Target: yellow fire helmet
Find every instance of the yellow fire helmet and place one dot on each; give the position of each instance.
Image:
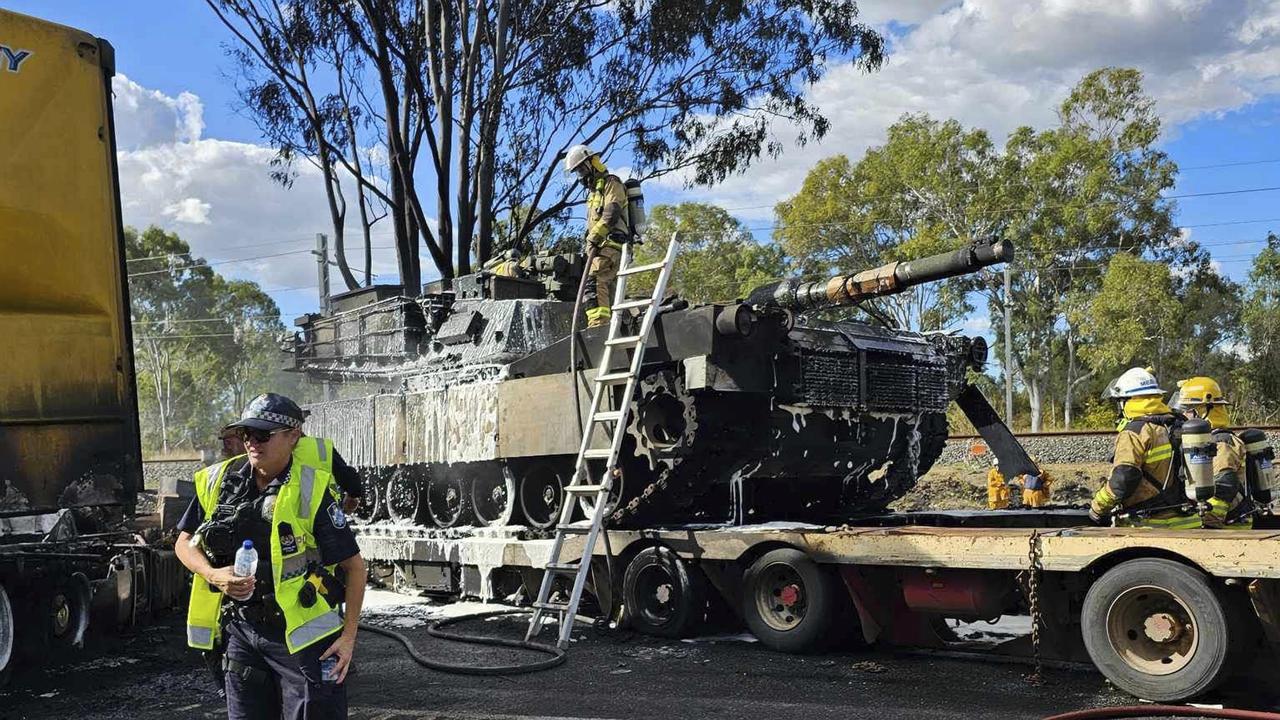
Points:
(1200, 390)
(1205, 397)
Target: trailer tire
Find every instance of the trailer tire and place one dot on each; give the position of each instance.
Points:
(7, 634)
(1157, 629)
(664, 595)
(792, 603)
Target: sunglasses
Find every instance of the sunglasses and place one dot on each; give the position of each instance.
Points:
(259, 437)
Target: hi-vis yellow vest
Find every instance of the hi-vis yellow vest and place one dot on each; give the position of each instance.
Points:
(318, 453)
(297, 503)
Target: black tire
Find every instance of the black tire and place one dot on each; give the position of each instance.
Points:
(1157, 629)
(793, 604)
(664, 595)
(66, 608)
(8, 633)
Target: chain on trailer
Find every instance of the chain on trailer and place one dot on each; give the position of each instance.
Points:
(1035, 568)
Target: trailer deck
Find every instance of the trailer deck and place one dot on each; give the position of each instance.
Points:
(1225, 554)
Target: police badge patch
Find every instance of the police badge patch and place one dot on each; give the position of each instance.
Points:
(336, 515)
(288, 543)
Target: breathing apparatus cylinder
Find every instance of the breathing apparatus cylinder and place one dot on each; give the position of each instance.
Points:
(635, 207)
(1260, 458)
(1198, 449)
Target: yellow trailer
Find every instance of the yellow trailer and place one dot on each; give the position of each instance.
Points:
(70, 459)
(68, 415)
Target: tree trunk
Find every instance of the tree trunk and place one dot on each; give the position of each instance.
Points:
(1035, 398)
(1069, 392)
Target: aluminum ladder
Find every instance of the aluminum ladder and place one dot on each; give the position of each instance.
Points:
(580, 485)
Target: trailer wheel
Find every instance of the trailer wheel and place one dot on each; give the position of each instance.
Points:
(664, 596)
(791, 603)
(67, 610)
(7, 632)
(1157, 630)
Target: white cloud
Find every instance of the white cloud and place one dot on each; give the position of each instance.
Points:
(189, 210)
(999, 64)
(905, 12)
(219, 197)
(149, 117)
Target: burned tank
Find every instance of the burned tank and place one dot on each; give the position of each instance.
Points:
(745, 412)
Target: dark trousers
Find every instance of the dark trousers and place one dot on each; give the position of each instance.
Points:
(287, 685)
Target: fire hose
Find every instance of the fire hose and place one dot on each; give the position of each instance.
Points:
(1130, 711)
(555, 656)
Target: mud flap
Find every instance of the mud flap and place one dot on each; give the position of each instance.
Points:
(1014, 460)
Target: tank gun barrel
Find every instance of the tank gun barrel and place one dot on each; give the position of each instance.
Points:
(894, 277)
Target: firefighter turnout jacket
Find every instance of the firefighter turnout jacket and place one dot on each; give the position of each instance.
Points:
(607, 221)
(1142, 473)
(1228, 483)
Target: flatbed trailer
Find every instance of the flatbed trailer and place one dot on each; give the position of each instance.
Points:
(1165, 615)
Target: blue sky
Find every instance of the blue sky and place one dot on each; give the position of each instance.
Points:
(195, 166)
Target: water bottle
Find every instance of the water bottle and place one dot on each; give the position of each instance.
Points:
(246, 564)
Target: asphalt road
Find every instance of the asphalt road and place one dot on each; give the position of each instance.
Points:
(151, 674)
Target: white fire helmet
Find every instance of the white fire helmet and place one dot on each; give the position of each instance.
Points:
(1135, 382)
(577, 155)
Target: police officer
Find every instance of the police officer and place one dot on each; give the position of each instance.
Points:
(607, 228)
(1143, 481)
(288, 645)
(232, 445)
(1202, 398)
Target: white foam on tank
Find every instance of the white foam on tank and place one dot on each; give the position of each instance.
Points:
(798, 413)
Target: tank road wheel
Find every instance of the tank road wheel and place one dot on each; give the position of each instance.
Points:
(1157, 629)
(493, 495)
(663, 595)
(448, 501)
(617, 491)
(791, 603)
(403, 498)
(371, 507)
(541, 491)
(7, 633)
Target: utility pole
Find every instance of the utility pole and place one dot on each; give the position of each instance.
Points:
(1008, 348)
(322, 267)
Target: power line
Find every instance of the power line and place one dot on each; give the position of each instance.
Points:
(1229, 164)
(219, 262)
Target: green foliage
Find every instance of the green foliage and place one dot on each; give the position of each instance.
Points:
(719, 259)
(1259, 389)
(932, 187)
(1133, 318)
(1075, 195)
(203, 344)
